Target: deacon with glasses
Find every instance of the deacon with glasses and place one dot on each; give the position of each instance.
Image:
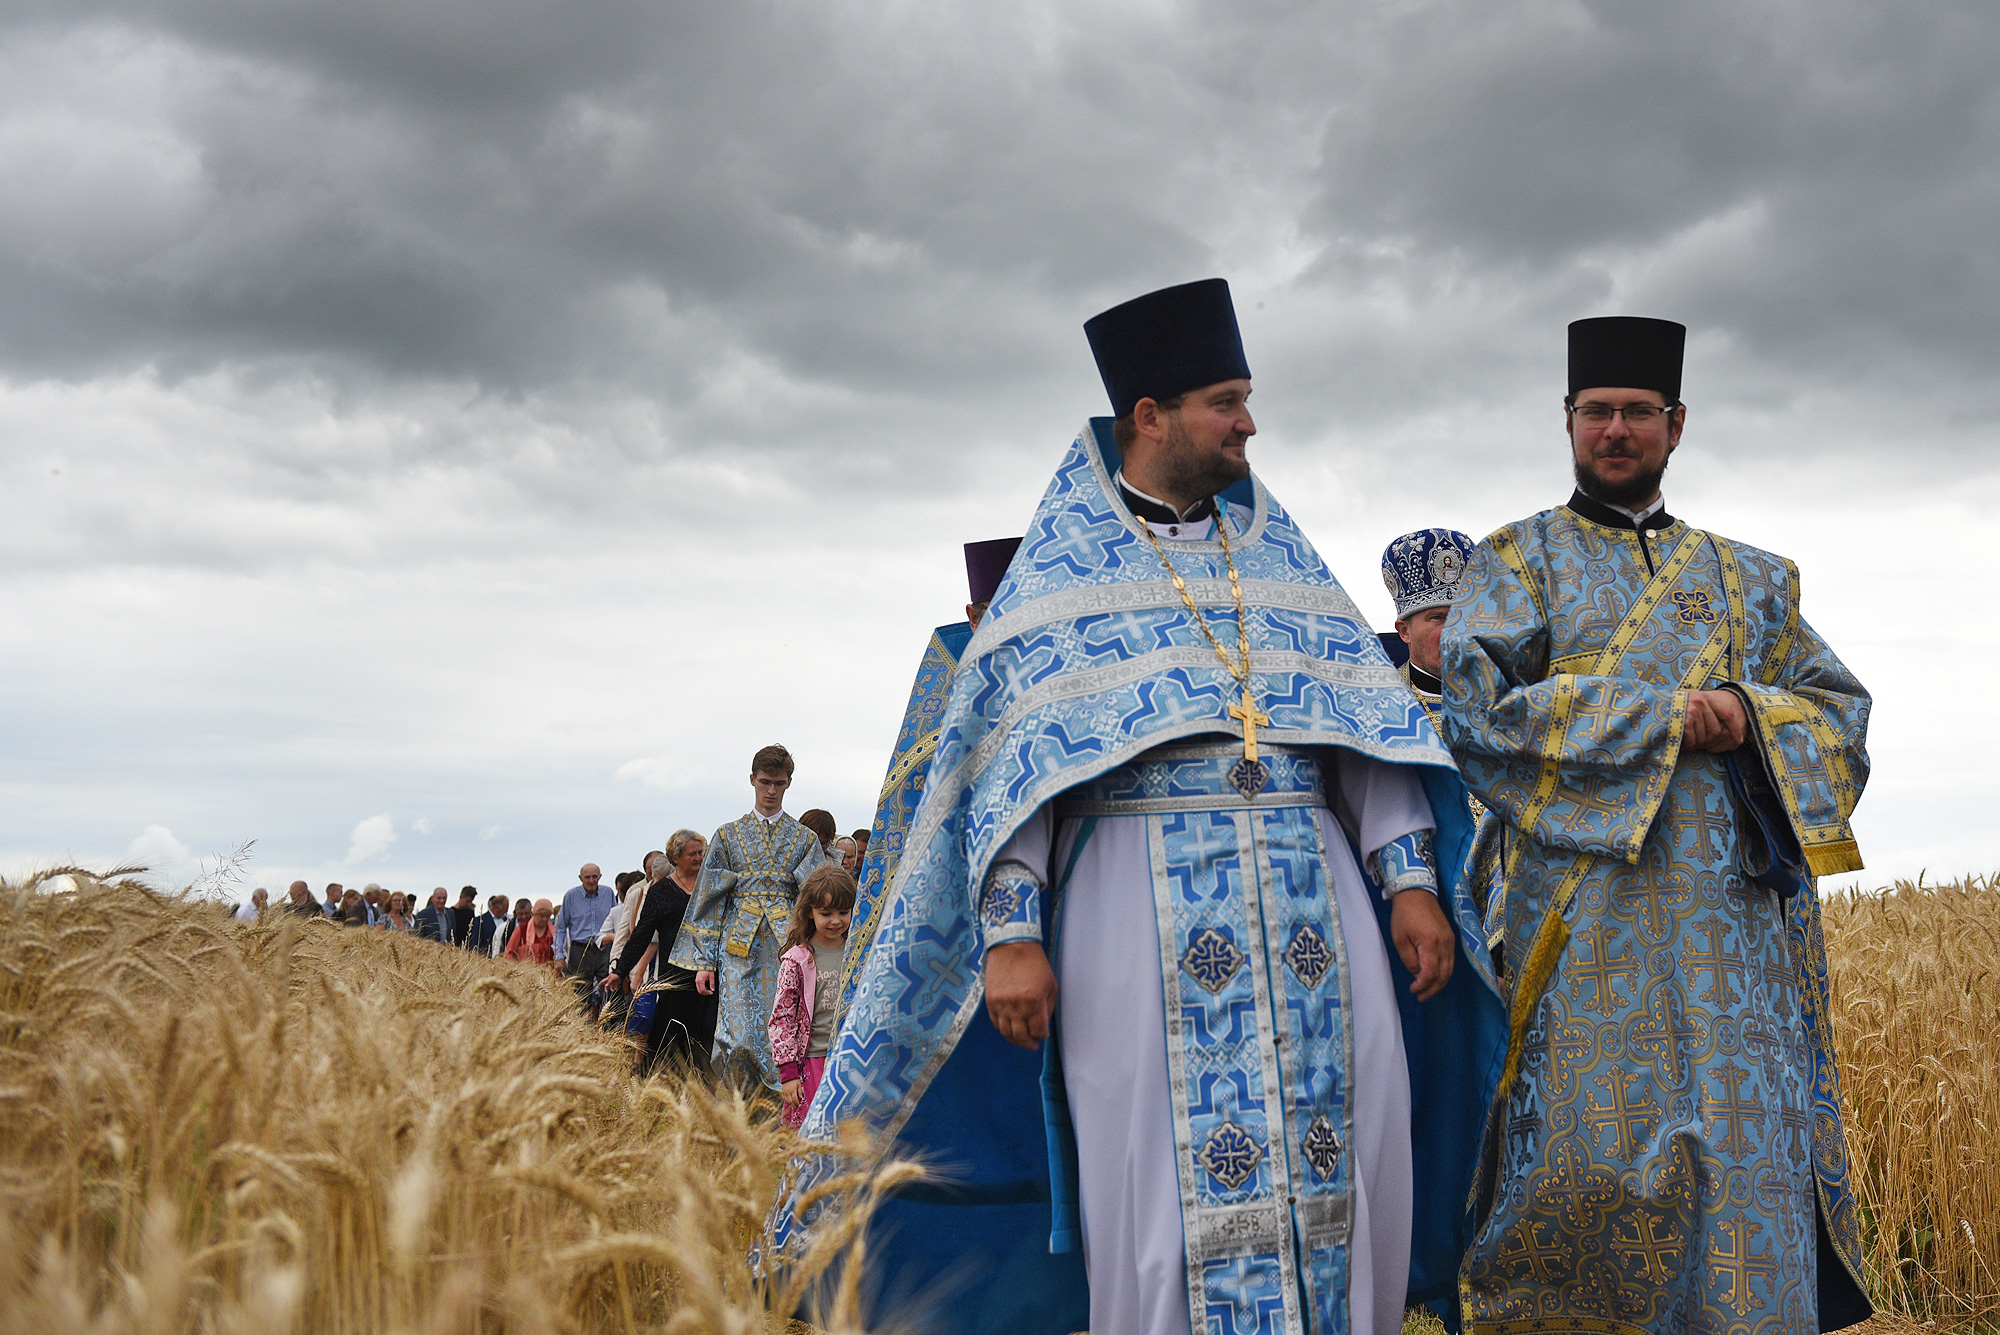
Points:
(1674, 754)
(1183, 825)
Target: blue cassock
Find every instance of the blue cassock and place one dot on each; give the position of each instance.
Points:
(1087, 660)
(971, 1249)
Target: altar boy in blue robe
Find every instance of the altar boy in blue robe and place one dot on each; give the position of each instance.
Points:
(1176, 762)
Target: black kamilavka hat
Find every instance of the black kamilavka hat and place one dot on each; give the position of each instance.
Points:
(1627, 352)
(1166, 343)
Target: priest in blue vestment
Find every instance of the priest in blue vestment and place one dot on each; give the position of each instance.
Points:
(1183, 822)
(966, 1252)
(1673, 753)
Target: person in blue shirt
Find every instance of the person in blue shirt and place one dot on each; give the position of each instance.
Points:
(579, 956)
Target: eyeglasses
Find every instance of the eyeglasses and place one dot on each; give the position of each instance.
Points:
(1635, 414)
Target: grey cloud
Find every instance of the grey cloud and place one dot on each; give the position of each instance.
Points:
(1842, 152)
(778, 190)
(786, 229)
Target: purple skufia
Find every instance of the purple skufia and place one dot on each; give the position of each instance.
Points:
(985, 565)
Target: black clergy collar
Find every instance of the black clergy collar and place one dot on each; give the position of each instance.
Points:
(1156, 511)
(1424, 681)
(1597, 512)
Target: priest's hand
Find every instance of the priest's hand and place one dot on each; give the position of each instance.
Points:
(704, 982)
(1715, 722)
(1020, 992)
(1424, 939)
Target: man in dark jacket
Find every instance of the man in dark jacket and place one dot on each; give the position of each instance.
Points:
(488, 935)
(434, 919)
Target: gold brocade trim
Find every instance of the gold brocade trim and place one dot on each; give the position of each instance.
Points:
(1737, 606)
(924, 748)
(1833, 857)
(1555, 1325)
(1781, 652)
(1506, 546)
(1561, 706)
(1532, 978)
(1648, 602)
(1831, 752)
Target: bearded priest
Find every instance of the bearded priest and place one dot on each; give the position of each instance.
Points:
(1673, 753)
(1182, 831)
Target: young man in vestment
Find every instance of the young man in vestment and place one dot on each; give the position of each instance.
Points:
(734, 930)
(1176, 762)
(1674, 754)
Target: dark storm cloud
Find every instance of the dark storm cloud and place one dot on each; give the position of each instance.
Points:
(1842, 156)
(915, 207)
(518, 197)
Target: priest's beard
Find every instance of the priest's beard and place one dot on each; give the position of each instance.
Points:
(1631, 494)
(1186, 471)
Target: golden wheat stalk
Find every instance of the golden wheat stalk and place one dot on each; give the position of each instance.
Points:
(288, 1126)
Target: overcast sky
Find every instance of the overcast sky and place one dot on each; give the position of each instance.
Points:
(443, 439)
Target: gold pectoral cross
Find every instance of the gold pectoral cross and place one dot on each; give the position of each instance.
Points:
(1251, 716)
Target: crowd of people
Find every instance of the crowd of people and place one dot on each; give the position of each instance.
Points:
(613, 944)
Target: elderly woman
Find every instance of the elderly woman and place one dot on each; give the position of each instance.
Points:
(676, 1020)
(534, 938)
(849, 854)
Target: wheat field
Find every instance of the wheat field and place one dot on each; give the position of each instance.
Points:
(1916, 1014)
(207, 1126)
(213, 1126)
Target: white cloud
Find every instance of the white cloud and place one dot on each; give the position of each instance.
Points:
(422, 825)
(664, 772)
(158, 850)
(371, 839)
(490, 832)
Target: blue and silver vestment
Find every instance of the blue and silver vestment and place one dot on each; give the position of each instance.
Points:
(735, 925)
(1088, 661)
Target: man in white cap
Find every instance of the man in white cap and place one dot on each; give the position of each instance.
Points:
(1421, 571)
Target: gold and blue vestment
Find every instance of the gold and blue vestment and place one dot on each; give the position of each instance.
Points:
(735, 925)
(1667, 1138)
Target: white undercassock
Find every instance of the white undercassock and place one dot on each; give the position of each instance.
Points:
(1110, 1014)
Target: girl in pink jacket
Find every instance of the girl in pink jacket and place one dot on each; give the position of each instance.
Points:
(802, 1014)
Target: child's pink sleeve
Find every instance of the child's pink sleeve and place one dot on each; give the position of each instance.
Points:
(785, 1029)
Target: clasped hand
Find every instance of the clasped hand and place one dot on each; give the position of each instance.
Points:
(1715, 722)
